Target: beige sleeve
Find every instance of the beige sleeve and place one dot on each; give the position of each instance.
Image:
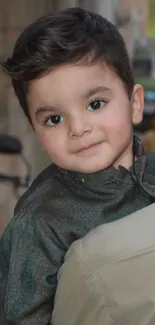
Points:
(74, 301)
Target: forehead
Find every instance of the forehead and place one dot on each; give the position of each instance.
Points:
(70, 81)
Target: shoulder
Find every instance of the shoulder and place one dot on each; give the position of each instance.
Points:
(47, 209)
(33, 220)
(31, 201)
(150, 162)
(150, 155)
(42, 183)
(44, 210)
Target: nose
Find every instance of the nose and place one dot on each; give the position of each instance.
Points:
(78, 127)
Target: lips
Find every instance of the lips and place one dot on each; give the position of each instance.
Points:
(89, 147)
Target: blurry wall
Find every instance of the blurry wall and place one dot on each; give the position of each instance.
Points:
(14, 16)
(136, 29)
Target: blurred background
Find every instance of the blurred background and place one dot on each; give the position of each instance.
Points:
(136, 22)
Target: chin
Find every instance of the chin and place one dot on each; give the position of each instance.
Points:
(88, 165)
(91, 169)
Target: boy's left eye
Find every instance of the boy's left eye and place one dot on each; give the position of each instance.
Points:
(96, 105)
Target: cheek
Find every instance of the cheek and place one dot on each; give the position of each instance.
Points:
(117, 122)
(52, 142)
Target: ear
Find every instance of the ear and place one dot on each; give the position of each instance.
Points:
(137, 102)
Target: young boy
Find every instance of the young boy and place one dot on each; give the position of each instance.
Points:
(70, 71)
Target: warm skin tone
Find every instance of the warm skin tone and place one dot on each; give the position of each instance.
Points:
(83, 117)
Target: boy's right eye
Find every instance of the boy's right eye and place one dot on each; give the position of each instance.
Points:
(53, 120)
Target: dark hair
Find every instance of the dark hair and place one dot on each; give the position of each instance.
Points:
(73, 35)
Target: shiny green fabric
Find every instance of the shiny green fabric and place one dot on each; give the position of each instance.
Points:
(60, 207)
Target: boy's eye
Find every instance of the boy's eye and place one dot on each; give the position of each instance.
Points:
(54, 120)
(96, 104)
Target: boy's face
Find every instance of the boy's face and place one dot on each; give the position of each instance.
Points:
(83, 117)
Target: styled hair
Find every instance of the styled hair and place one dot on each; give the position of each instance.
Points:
(70, 36)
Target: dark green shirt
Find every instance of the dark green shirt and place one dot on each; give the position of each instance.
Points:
(58, 208)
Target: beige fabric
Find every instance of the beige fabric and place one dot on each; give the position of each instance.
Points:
(108, 277)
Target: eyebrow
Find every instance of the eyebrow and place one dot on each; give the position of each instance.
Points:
(43, 110)
(89, 93)
(96, 90)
